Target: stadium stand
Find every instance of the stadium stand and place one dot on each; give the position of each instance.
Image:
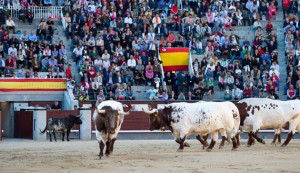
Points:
(238, 47)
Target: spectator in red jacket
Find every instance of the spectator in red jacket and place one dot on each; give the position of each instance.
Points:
(269, 27)
(291, 93)
(69, 71)
(247, 93)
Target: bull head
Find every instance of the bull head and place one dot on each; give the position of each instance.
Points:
(155, 122)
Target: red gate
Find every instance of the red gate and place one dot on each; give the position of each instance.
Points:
(23, 124)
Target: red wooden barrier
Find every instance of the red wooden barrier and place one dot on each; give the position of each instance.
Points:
(136, 121)
(23, 124)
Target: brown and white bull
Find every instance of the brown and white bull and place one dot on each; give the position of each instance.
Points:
(184, 119)
(264, 113)
(108, 118)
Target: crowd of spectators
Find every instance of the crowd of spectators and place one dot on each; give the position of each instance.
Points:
(292, 49)
(115, 45)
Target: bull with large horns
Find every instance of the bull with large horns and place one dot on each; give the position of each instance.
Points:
(108, 118)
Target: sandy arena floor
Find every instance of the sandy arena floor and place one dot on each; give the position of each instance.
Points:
(153, 156)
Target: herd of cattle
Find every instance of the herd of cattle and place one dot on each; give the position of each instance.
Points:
(200, 118)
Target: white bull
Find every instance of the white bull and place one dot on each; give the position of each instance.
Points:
(184, 119)
(264, 113)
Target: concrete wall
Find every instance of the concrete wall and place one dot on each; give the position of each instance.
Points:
(68, 101)
(7, 119)
(39, 122)
(32, 96)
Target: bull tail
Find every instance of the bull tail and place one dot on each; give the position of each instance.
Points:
(42, 132)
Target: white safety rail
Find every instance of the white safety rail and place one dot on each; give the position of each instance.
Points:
(54, 12)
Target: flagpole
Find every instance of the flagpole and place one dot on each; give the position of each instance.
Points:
(162, 73)
(191, 69)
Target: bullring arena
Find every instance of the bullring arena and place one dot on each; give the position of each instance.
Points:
(144, 151)
(145, 156)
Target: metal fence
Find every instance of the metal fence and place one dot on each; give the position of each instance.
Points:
(41, 12)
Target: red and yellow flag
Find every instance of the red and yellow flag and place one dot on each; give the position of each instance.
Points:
(13, 85)
(175, 59)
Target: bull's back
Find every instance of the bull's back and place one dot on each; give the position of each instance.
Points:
(209, 116)
(266, 113)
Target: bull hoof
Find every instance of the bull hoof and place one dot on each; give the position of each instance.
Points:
(248, 145)
(179, 150)
(99, 158)
(263, 142)
(283, 145)
(208, 149)
(186, 144)
(278, 143)
(221, 147)
(273, 143)
(234, 149)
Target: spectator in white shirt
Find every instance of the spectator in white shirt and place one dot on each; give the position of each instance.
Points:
(10, 24)
(98, 63)
(128, 19)
(12, 49)
(131, 62)
(77, 53)
(105, 55)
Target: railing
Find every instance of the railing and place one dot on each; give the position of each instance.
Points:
(54, 12)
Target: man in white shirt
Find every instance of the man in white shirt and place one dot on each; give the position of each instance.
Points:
(156, 20)
(10, 24)
(131, 62)
(256, 24)
(12, 49)
(24, 36)
(105, 55)
(98, 63)
(152, 49)
(77, 53)
(128, 19)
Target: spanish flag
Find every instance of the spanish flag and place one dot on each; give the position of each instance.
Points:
(175, 59)
(13, 85)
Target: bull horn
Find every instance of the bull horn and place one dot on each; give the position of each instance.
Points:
(125, 106)
(79, 116)
(100, 111)
(150, 112)
(123, 113)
